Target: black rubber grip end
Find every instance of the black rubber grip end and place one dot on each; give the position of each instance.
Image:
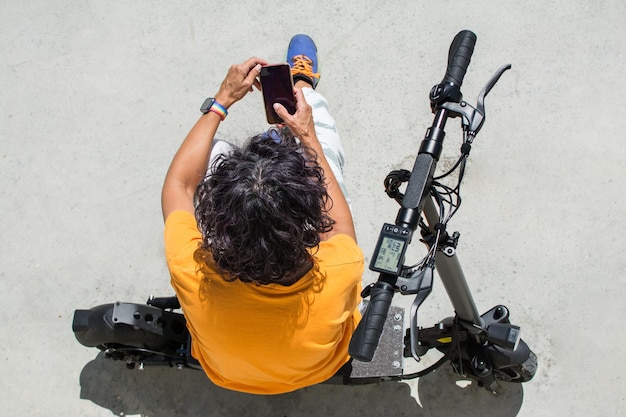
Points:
(367, 334)
(459, 56)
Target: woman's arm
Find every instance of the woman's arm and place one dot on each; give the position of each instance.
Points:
(302, 126)
(189, 165)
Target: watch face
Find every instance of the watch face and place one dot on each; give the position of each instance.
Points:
(207, 105)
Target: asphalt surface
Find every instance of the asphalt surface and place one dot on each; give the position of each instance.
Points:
(97, 96)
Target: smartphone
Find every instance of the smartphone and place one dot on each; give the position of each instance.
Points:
(277, 86)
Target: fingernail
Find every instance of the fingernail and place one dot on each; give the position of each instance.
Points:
(275, 106)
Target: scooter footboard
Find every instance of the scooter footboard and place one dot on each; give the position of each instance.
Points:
(387, 362)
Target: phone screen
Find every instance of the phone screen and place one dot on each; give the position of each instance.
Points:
(277, 86)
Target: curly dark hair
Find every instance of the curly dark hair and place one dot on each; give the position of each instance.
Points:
(261, 208)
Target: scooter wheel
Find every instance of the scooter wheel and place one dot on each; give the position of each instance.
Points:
(519, 373)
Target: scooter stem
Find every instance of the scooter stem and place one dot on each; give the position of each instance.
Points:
(451, 275)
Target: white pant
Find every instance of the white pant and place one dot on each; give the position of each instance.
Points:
(327, 134)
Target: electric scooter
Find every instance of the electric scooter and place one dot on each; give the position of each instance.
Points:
(486, 347)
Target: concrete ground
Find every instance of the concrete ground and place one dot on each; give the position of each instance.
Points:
(97, 96)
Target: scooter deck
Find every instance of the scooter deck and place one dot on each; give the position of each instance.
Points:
(388, 358)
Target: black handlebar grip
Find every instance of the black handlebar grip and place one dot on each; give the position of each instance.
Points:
(459, 56)
(367, 334)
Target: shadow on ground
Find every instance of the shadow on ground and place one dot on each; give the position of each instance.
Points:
(442, 397)
(166, 392)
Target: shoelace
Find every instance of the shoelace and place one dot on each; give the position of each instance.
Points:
(303, 65)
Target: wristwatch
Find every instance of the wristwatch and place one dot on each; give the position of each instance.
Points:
(211, 105)
(206, 106)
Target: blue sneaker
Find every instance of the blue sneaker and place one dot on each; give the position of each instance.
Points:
(302, 57)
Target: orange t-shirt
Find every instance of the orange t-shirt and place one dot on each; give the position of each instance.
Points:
(267, 339)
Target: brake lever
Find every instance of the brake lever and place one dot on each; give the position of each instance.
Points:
(487, 88)
(477, 122)
(473, 118)
(425, 287)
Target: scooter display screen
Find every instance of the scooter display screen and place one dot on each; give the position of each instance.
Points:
(390, 249)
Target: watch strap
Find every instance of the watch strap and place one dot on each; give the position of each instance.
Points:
(210, 105)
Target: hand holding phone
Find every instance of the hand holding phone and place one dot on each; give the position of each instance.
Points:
(239, 81)
(277, 86)
(301, 123)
